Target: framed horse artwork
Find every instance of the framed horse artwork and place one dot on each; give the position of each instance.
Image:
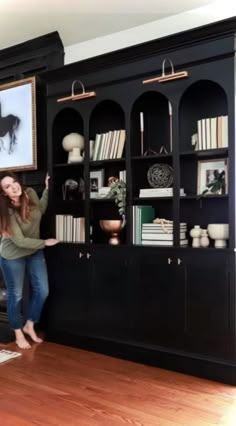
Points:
(18, 145)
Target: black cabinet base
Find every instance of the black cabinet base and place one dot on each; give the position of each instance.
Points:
(6, 334)
(211, 369)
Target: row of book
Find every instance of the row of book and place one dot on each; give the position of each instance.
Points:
(70, 229)
(109, 145)
(212, 133)
(158, 192)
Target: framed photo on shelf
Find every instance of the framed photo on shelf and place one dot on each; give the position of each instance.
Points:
(18, 149)
(212, 176)
(96, 182)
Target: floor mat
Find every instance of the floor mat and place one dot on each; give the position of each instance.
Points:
(6, 355)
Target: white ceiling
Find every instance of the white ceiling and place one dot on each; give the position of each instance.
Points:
(81, 20)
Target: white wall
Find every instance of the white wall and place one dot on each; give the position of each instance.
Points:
(217, 11)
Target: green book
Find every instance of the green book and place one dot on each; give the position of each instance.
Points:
(142, 214)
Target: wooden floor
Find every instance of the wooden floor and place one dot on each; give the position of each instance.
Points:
(57, 385)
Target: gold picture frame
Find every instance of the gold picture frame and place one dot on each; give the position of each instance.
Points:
(18, 137)
(206, 174)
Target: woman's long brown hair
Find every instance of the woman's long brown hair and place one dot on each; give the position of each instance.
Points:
(5, 205)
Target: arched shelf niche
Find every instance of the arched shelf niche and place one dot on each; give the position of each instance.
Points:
(156, 120)
(106, 116)
(203, 99)
(66, 121)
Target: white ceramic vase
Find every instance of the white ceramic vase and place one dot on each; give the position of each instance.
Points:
(195, 233)
(204, 240)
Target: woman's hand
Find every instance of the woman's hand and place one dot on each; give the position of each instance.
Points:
(47, 181)
(51, 242)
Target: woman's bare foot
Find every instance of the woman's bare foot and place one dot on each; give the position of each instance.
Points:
(29, 329)
(21, 341)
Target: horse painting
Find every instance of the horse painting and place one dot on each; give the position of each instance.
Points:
(8, 125)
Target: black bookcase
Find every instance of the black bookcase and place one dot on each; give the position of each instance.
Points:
(173, 307)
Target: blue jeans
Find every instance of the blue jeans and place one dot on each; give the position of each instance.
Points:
(13, 271)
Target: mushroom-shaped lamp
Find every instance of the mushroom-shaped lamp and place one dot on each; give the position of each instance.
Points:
(74, 144)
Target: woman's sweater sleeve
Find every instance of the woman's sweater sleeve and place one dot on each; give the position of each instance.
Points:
(43, 202)
(18, 238)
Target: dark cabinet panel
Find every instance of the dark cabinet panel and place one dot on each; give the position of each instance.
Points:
(111, 293)
(69, 279)
(209, 320)
(90, 294)
(159, 299)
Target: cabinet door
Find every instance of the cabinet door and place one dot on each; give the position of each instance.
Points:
(159, 299)
(110, 293)
(69, 289)
(209, 316)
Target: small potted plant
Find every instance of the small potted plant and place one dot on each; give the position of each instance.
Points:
(118, 193)
(113, 226)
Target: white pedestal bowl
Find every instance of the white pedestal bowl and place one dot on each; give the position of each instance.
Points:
(219, 232)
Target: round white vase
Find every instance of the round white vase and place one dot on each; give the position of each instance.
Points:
(195, 233)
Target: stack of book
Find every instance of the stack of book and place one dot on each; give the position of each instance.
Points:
(162, 235)
(141, 215)
(158, 192)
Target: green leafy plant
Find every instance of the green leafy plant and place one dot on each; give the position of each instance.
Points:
(118, 193)
(217, 185)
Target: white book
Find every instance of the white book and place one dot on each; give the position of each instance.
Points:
(161, 236)
(225, 138)
(208, 133)
(108, 145)
(199, 135)
(104, 145)
(121, 143)
(164, 225)
(213, 132)
(116, 144)
(113, 144)
(204, 134)
(155, 195)
(96, 146)
(162, 243)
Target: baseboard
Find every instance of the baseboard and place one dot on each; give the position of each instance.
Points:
(192, 364)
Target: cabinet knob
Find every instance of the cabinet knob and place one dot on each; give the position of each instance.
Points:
(88, 255)
(80, 254)
(179, 261)
(170, 260)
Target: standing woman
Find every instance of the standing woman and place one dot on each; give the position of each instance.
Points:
(21, 251)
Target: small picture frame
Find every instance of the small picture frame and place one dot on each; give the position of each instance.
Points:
(208, 170)
(96, 182)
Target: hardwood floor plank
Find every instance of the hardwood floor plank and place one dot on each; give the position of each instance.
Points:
(54, 385)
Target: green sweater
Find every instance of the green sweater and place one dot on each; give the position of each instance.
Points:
(24, 239)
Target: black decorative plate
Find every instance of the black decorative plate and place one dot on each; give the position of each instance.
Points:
(160, 176)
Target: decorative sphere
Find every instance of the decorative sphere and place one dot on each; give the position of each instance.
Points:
(160, 176)
(73, 140)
